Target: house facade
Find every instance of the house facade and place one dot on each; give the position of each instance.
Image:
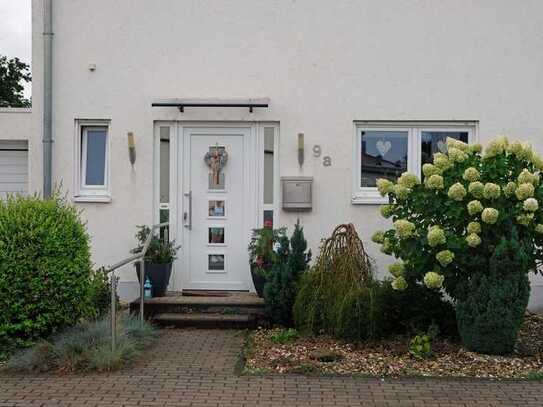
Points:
(218, 116)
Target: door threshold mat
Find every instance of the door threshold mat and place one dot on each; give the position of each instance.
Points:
(205, 293)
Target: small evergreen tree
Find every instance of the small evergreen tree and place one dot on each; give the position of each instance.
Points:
(289, 263)
(299, 256)
(492, 309)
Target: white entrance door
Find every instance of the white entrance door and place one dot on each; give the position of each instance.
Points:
(216, 208)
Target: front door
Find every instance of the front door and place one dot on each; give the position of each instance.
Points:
(216, 208)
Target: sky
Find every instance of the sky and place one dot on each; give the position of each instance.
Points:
(16, 32)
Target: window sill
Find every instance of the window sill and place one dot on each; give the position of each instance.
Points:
(92, 198)
(365, 199)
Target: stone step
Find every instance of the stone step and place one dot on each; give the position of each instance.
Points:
(206, 320)
(173, 303)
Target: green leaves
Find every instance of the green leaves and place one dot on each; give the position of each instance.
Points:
(45, 268)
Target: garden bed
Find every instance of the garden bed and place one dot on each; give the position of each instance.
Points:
(85, 347)
(390, 357)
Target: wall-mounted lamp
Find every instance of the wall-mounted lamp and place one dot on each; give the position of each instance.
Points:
(131, 148)
(301, 149)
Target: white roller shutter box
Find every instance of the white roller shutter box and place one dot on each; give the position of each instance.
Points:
(13, 167)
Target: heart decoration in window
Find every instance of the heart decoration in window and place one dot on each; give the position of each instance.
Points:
(383, 147)
(442, 146)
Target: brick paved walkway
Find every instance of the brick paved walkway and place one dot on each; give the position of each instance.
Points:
(196, 368)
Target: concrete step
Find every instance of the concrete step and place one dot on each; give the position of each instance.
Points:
(174, 303)
(206, 320)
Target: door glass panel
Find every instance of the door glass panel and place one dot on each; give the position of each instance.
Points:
(213, 185)
(268, 218)
(268, 164)
(96, 157)
(383, 155)
(216, 262)
(216, 175)
(164, 180)
(216, 235)
(164, 164)
(216, 209)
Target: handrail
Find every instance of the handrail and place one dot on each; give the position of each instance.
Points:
(113, 280)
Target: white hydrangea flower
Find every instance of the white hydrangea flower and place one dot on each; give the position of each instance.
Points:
(457, 192)
(433, 279)
(530, 205)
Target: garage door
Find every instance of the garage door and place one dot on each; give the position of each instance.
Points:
(13, 167)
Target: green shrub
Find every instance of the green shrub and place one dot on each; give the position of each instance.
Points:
(289, 263)
(476, 201)
(420, 347)
(358, 314)
(492, 310)
(285, 335)
(335, 295)
(100, 294)
(414, 310)
(299, 256)
(45, 268)
(86, 346)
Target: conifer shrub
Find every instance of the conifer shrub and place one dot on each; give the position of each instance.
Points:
(447, 230)
(491, 311)
(290, 261)
(336, 295)
(45, 269)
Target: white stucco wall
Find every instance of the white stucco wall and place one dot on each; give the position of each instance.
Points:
(323, 65)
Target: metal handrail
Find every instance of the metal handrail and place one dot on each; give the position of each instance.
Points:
(113, 280)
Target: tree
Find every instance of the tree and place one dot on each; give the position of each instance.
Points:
(13, 72)
(290, 261)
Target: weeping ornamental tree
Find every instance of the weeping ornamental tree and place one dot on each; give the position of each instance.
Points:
(336, 295)
(473, 228)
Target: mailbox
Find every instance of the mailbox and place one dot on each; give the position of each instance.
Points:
(297, 193)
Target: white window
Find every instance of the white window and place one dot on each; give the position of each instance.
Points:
(386, 150)
(270, 134)
(92, 161)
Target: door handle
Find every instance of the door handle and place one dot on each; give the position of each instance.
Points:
(187, 216)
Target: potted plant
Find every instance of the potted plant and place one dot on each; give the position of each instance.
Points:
(261, 253)
(158, 260)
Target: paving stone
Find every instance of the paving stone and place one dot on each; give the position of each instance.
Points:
(197, 368)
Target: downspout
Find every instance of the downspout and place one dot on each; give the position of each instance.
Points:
(47, 98)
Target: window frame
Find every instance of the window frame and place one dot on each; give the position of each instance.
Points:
(83, 191)
(414, 129)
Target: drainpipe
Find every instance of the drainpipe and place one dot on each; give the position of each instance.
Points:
(47, 97)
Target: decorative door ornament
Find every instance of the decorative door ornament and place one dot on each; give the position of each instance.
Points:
(216, 159)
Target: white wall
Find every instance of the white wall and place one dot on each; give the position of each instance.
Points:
(323, 64)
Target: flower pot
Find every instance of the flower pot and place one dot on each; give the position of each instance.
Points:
(159, 276)
(259, 281)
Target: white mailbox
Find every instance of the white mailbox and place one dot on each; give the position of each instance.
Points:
(297, 193)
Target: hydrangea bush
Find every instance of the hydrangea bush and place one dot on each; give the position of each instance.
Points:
(446, 228)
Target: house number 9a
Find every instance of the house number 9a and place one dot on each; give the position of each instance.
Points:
(326, 160)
